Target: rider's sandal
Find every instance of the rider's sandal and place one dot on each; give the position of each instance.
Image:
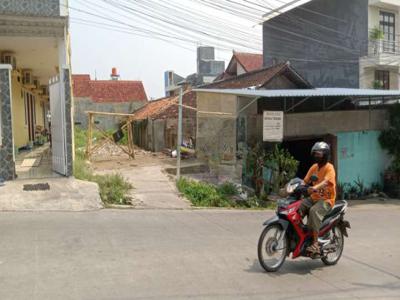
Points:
(313, 249)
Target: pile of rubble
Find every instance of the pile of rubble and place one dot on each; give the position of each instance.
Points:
(109, 149)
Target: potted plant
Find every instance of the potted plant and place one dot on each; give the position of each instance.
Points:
(377, 84)
(377, 36)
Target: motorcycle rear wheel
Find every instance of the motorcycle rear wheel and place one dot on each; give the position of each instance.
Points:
(272, 248)
(333, 258)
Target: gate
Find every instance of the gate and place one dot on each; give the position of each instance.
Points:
(58, 126)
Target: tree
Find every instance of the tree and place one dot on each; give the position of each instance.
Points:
(390, 138)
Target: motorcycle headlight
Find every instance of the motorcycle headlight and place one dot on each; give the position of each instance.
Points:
(288, 211)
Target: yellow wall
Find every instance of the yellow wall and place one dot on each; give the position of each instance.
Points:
(20, 130)
(39, 112)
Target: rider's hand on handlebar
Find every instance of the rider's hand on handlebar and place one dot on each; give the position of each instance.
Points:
(311, 190)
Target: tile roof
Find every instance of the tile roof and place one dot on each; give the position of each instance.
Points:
(249, 61)
(259, 78)
(108, 91)
(167, 108)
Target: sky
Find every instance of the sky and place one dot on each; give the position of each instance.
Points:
(96, 51)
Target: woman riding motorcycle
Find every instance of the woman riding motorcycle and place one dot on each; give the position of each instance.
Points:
(322, 179)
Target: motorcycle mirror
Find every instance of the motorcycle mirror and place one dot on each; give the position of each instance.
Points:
(314, 178)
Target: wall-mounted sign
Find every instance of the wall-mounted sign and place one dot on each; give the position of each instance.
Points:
(273, 126)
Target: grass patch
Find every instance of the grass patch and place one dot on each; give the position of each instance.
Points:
(203, 194)
(113, 188)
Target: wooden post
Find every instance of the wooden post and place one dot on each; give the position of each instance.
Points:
(131, 124)
(89, 137)
(130, 139)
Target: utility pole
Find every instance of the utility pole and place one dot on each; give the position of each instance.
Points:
(179, 143)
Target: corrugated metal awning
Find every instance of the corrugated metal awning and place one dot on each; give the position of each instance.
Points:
(320, 92)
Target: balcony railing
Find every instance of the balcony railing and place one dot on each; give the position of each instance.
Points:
(33, 8)
(380, 47)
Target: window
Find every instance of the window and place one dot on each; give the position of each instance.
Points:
(387, 25)
(383, 77)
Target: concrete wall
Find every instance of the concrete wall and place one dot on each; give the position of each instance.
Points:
(158, 134)
(69, 122)
(360, 156)
(36, 8)
(86, 104)
(216, 132)
(7, 163)
(294, 36)
(332, 122)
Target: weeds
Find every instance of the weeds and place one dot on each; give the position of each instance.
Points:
(113, 188)
(228, 189)
(203, 194)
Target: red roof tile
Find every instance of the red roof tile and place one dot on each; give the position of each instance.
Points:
(167, 108)
(151, 108)
(259, 78)
(108, 90)
(189, 99)
(249, 61)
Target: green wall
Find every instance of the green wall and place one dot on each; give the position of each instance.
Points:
(360, 156)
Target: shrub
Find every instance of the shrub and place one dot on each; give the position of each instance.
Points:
(390, 139)
(82, 170)
(227, 189)
(113, 189)
(283, 164)
(80, 136)
(202, 194)
(226, 195)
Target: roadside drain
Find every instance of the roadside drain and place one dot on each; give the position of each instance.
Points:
(36, 187)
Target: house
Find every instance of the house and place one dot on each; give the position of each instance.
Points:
(114, 95)
(35, 89)
(208, 68)
(241, 63)
(341, 43)
(155, 124)
(230, 121)
(171, 80)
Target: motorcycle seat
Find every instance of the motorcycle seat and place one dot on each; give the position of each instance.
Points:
(335, 210)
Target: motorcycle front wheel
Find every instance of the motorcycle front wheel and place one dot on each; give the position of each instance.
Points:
(337, 241)
(272, 248)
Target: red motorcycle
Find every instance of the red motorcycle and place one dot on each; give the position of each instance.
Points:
(286, 233)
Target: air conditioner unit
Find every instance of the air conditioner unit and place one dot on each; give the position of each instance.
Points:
(27, 77)
(9, 59)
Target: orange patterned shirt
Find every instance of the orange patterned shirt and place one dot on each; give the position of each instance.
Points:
(327, 173)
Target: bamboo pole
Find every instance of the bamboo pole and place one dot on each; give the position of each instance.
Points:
(109, 114)
(130, 139)
(89, 138)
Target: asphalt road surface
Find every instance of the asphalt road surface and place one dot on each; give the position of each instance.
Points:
(186, 254)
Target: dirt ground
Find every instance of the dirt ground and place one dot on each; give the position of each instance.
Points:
(142, 158)
(153, 188)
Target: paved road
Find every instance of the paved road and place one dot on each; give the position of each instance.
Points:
(189, 254)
